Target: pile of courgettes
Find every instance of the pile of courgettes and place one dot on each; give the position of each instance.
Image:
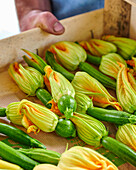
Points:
(113, 116)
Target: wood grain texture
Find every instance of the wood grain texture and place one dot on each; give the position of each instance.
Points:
(117, 17)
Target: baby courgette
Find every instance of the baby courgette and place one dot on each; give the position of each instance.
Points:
(20, 136)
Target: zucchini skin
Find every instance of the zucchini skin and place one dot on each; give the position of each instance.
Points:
(2, 112)
(93, 59)
(10, 154)
(20, 136)
(105, 80)
(113, 116)
(44, 96)
(119, 149)
(57, 67)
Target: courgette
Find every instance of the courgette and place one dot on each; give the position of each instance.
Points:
(67, 105)
(105, 80)
(20, 136)
(44, 96)
(10, 154)
(57, 67)
(2, 112)
(113, 116)
(119, 149)
(93, 59)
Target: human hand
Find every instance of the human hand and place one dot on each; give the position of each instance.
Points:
(45, 20)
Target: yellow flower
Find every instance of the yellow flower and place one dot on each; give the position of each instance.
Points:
(110, 64)
(8, 165)
(46, 166)
(39, 115)
(69, 54)
(89, 129)
(83, 102)
(28, 78)
(98, 47)
(86, 84)
(126, 90)
(13, 114)
(84, 158)
(59, 84)
(127, 135)
(126, 47)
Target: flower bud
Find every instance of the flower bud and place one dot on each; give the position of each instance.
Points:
(69, 54)
(82, 158)
(46, 166)
(83, 102)
(86, 84)
(89, 129)
(7, 165)
(127, 135)
(110, 64)
(98, 47)
(126, 90)
(126, 47)
(28, 78)
(34, 61)
(39, 115)
(13, 114)
(59, 84)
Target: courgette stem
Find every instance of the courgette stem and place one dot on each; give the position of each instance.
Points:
(113, 116)
(10, 154)
(93, 59)
(119, 149)
(105, 80)
(57, 67)
(44, 96)
(20, 136)
(2, 112)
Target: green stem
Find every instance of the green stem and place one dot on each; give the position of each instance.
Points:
(93, 59)
(2, 112)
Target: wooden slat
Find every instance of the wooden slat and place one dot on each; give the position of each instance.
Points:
(117, 17)
(133, 23)
(76, 29)
(132, 2)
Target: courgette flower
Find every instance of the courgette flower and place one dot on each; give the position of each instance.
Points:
(126, 90)
(34, 61)
(127, 135)
(98, 47)
(12, 113)
(110, 64)
(69, 54)
(86, 84)
(84, 158)
(126, 47)
(39, 115)
(83, 102)
(89, 129)
(27, 78)
(58, 83)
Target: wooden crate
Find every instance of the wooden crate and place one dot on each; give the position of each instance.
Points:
(117, 18)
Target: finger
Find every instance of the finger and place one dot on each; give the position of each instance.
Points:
(49, 23)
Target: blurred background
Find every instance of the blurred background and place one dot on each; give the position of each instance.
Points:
(8, 19)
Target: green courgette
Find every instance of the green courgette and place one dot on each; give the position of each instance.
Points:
(20, 136)
(67, 105)
(10, 154)
(113, 116)
(119, 149)
(93, 59)
(57, 67)
(65, 128)
(105, 80)
(42, 155)
(44, 96)
(2, 112)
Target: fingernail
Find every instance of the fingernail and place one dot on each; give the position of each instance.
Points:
(58, 27)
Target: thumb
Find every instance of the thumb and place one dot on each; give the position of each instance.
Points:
(49, 23)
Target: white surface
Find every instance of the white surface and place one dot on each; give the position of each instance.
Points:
(8, 19)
